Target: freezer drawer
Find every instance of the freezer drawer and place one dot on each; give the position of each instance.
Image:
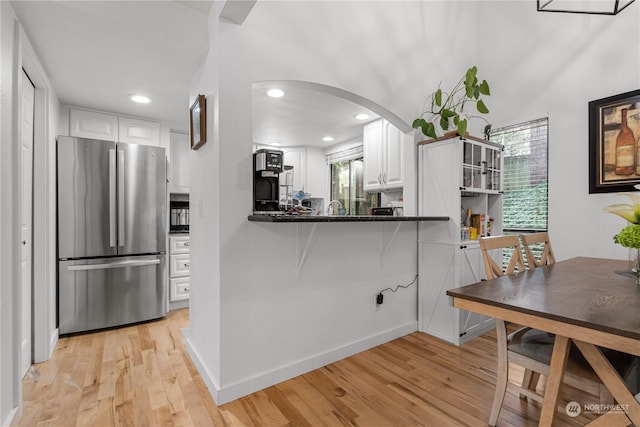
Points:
(105, 292)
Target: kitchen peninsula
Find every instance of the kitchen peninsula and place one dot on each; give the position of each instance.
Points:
(342, 218)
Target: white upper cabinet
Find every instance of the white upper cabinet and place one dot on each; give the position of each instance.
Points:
(179, 163)
(372, 153)
(138, 131)
(297, 157)
(112, 127)
(392, 156)
(309, 170)
(91, 124)
(383, 161)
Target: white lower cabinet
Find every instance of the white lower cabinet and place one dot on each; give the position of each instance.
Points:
(179, 288)
(444, 266)
(178, 268)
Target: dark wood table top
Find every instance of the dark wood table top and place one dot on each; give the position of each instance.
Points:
(595, 293)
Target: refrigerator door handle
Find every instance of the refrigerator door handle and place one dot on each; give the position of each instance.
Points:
(121, 264)
(112, 198)
(120, 197)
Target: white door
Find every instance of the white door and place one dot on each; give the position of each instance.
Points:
(26, 145)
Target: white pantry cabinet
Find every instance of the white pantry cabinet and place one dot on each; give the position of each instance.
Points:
(444, 266)
(383, 156)
(455, 175)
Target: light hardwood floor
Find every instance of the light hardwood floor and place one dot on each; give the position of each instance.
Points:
(142, 376)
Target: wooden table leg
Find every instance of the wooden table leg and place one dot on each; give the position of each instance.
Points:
(554, 380)
(611, 380)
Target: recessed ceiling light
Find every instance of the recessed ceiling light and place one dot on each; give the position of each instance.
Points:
(362, 116)
(275, 93)
(327, 139)
(140, 99)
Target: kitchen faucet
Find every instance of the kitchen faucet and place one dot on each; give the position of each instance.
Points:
(331, 203)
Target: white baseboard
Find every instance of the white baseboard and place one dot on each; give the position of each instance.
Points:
(247, 386)
(55, 335)
(12, 419)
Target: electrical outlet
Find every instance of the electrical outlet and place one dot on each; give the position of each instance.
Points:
(376, 306)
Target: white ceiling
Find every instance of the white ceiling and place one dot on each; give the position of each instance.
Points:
(97, 53)
(304, 116)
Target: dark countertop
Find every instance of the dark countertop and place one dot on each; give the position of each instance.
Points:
(342, 218)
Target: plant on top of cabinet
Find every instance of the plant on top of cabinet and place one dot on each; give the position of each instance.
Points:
(448, 107)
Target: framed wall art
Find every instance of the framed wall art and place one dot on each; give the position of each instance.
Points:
(614, 143)
(198, 122)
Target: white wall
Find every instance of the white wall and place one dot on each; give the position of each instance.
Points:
(17, 53)
(249, 321)
(552, 65)
(254, 317)
(205, 181)
(46, 109)
(9, 383)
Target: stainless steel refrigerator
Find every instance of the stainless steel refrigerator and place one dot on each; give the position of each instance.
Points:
(112, 228)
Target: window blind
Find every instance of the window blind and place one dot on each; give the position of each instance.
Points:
(525, 180)
(348, 154)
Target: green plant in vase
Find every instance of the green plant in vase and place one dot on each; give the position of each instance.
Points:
(447, 108)
(629, 236)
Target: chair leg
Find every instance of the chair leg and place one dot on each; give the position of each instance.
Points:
(529, 381)
(502, 372)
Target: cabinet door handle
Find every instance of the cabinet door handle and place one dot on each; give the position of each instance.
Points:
(186, 243)
(186, 264)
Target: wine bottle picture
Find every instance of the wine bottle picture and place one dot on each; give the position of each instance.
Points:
(625, 148)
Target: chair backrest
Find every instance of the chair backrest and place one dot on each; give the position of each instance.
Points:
(547, 256)
(501, 242)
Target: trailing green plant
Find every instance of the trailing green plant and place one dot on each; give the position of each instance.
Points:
(447, 107)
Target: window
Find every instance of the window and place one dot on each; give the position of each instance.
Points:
(347, 187)
(525, 176)
(525, 181)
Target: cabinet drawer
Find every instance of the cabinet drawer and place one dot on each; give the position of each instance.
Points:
(179, 265)
(179, 289)
(178, 245)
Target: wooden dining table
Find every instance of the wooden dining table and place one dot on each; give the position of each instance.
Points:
(592, 302)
